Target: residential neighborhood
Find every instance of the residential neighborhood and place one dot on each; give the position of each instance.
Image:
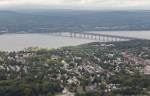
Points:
(106, 69)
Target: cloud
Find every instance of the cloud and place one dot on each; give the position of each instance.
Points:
(78, 4)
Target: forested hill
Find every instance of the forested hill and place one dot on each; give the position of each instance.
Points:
(66, 20)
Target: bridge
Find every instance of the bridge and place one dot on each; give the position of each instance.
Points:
(93, 36)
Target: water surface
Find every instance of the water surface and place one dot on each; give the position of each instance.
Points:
(15, 42)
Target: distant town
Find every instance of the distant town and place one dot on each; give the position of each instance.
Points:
(72, 21)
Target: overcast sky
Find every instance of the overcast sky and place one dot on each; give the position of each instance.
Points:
(77, 4)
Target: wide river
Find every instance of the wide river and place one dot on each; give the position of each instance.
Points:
(16, 42)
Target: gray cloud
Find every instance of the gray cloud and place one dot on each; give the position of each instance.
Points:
(78, 4)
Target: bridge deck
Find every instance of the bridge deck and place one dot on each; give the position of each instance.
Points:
(94, 36)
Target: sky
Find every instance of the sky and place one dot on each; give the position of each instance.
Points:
(77, 4)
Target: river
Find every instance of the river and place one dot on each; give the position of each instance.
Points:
(16, 42)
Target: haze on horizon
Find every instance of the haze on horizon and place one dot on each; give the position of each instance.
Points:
(76, 4)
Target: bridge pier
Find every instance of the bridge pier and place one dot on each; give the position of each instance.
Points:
(96, 37)
(116, 39)
(99, 37)
(103, 38)
(93, 36)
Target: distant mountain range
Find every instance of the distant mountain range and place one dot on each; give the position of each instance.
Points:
(71, 20)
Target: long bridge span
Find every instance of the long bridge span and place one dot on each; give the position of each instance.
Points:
(93, 36)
